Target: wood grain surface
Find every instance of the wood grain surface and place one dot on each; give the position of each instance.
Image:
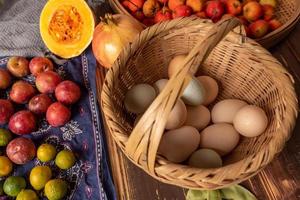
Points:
(280, 180)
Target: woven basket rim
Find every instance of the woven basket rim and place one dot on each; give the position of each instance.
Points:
(249, 43)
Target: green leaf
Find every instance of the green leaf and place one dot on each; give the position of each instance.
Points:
(203, 195)
(196, 195)
(214, 195)
(236, 192)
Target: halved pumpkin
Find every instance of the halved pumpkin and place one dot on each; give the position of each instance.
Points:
(67, 27)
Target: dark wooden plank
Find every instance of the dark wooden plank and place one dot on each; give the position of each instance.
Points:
(280, 180)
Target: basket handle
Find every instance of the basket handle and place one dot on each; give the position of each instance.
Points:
(144, 140)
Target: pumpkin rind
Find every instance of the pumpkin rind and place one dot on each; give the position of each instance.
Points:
(75, 36)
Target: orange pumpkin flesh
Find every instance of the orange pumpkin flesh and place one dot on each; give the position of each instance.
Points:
(67, 27)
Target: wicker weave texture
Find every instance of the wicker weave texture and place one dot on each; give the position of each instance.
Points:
(243, 69)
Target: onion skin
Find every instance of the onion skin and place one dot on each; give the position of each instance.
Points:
(111, 35)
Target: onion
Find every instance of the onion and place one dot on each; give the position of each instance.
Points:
(111, 35)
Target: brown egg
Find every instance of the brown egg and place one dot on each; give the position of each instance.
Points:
(222, 138)
(211, 88)
(159, 85)
(177, 116)
(197, 116)
(225, 111)
(205, 158)
(175, 64)
(250, 121)
(177, 145)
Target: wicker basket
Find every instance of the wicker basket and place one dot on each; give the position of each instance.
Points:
(244, 70)
(288, 12)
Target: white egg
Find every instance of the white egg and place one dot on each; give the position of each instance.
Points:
(222, 138)
(175, 64)
(194, 94)
(211, 88)
(250, 121)
(139, 98)
(178, 144)
(197, 116)
(159, 85)
(205, 158)
(177, 116)
(225, 111)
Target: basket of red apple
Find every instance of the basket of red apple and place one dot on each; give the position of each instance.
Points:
(199, 106)
(267, 21)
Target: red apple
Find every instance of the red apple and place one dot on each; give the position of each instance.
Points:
(148, 21)
(259, 28)
(269, 12)
(21, 92)
(38, 65)
(5, 79)
(172, 4)
(46, 82)
(58, 114)
(39, 104)
(163, 15)
(233, 7)
(133, 5)
(21, 150)
(243, 20)
(196, 5)
(150, 8)
(248, 31)
(6, 111)
(138, 15)
(18, 66)
(22, 122)
(67, 92)
(201, 14)
(182, 11)
(274, 24)
(129, 5)
(214, 10)
(244, 2)
(138, 3)
(252, 11)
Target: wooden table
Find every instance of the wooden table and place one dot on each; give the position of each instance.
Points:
(280, 180)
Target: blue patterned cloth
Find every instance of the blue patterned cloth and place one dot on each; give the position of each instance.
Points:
(90, 177)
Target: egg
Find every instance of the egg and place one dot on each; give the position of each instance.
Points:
(194, 94)
(175, 64)
(178, 144)
(197, 116)
(225, 111)
(211, 88)
(177, 116)
(205, 158)
(250, 121)
(222, 138)
(159, 85)
(139, 98)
